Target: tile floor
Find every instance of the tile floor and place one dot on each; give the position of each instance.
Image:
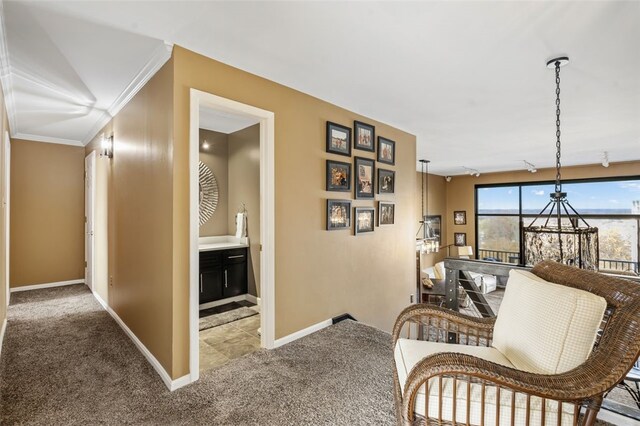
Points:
(221, 344)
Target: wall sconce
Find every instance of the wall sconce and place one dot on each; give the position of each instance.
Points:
(107, 146)
(605, 159)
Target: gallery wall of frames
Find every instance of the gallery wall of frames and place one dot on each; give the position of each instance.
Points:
(361, 177)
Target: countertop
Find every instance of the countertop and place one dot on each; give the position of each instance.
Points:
(223, 242)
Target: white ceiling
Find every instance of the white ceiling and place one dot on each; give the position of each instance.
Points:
(224, 122)
(467, 78)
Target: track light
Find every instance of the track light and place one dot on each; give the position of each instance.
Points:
(447, 178)
(605, 159)
(530, 167)
(472, 172)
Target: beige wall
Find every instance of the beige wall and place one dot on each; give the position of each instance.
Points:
(4, 243)
(461, 189)
(437, 198)
(319, 274)
(216, 157)
(244, 188)
(47, 213)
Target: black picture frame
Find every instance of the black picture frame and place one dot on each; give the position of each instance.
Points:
(338, 214)
(460, 217)
(336, 142)
(338, 176)
(386, 151)
(364, 219)
(460, 239)
(386, 181)
(386, 213)
(364, 177)
(432, 227)
(364, 136)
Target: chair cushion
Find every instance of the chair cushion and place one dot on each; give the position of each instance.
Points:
(544, 327)
(408, 353)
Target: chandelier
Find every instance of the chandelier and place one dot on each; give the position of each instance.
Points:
(430, 241)
(572, 241)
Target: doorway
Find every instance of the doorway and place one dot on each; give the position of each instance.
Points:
(89, 218)
(265, 119)
(7, 207)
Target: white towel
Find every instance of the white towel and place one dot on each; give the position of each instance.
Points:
(241, 225)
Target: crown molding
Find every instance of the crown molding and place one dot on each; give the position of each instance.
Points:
(5, 74)
(158, 58)
(46, 139)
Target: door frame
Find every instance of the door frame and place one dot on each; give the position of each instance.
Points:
(7, 208)
(91, 195)
(267, 217)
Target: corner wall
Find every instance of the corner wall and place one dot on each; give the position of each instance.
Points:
(47, 213)
(319, 274)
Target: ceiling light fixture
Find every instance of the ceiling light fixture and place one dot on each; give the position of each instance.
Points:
(567, 242)
(605, 159)
(472, 172)
(430, 242)
(530, 167)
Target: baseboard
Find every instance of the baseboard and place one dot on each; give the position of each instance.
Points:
(166, 378)
(222, 302)
(46, 285)
(2, 330)
(299, 334)
(253, 299)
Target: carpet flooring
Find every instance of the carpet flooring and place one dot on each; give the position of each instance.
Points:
(65, 361)
(215, 320)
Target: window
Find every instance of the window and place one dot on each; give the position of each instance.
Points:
(613, 206)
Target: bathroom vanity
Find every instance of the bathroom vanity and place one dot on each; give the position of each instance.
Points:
(223, 268)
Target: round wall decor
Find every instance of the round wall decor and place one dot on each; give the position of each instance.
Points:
(208, 193)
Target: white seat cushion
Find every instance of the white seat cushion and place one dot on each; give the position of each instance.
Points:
(546, 328)
(409, 352)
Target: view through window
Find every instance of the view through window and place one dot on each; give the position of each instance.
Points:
(613, 206)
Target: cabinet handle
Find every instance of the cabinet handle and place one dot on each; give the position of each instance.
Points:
(225, 278)
(235, 257)
(200, 283)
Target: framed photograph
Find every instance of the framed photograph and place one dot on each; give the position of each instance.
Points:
(386, 181)
(460, 218)
(364, 179)
(432, 226)
(364, 219)
(460, 239)
(338, 214)
(386, 213)
(338, 176)
(338, 139)
(386, 151)
(364, 136)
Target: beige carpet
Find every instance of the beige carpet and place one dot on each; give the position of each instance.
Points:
(66, 362)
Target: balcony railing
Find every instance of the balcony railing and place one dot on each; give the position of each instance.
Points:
(605, 264)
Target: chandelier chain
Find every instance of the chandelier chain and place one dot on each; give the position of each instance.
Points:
(558, 177)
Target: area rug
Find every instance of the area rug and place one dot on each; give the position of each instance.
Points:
(65, 361)
(216, 320)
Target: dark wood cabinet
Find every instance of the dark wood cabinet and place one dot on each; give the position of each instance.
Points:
(223, 274)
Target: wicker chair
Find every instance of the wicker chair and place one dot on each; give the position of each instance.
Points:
(460, 384)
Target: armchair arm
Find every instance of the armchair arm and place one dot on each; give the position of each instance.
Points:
(460, 322)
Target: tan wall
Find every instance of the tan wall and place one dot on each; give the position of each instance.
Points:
(216, 157)
(437, 198)
(139, 191)
(4, 243)
(244, 188)
(319, 274)
(461, 189)
(47, 213)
